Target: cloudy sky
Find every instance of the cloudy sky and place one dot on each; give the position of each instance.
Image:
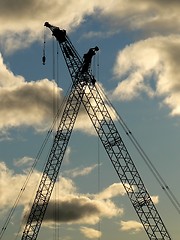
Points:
(138, 68)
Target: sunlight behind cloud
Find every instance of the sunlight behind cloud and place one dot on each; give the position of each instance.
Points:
(34, 14)
(150, 66)
(150, 16)
(31, 104)
(140, 38)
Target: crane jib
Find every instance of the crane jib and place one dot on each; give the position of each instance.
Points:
(85, 91)
(60, 35)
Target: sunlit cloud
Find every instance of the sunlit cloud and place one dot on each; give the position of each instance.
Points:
(90, 232)
(84, 123)
(25, 161)
(31, 104)
(26, 103)
(67, 155)
(155, 199)
(80, 171)
(150, 16)
(72, 206)
(112, 191)
(155, 56)
(150, 66)
(132, 226)
(21, 35)
(75, 209)
(8, 194)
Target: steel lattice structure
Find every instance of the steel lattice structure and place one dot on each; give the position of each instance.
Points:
(84, 91)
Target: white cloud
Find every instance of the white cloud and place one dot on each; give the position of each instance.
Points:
(157, 56)
(80, 171)
(26, 103)
(28, 161)
(31, 104)
(132, 226)
(9, 194)
(22, 23)
(150, 66)
(67, 155)
(73, 207)
(84, 123)
(66, 187)
(112, 191)
(90, 232)
(150, 16)
(155, 199)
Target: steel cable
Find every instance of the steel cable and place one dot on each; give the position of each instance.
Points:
(144, 156)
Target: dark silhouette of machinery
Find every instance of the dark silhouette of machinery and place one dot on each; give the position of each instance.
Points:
(83, 91)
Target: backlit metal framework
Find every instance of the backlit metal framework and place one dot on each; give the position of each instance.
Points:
(84, 91)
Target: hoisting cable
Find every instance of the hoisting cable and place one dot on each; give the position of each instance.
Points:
(96, 72)
(99, 186)
(50, 131)
(24, 186)
(144, 156)
(55, 106)
(44, 48)
(11, 212)
(54, 69)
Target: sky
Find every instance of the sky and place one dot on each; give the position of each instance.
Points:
(137, 67)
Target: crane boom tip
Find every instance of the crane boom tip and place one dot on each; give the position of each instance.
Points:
(46, 24)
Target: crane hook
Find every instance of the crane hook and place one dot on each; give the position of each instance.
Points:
(44, 52)
(43, 59)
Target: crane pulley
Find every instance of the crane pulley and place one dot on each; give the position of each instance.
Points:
(85, 91)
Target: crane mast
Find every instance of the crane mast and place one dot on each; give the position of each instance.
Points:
(85, 91)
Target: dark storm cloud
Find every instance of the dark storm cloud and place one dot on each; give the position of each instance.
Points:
(27, 97)
(72, 210)
(78, 210)
(28, 104)
(72, 207)
(31, 103)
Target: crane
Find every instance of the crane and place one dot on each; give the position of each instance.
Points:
(84, 91)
